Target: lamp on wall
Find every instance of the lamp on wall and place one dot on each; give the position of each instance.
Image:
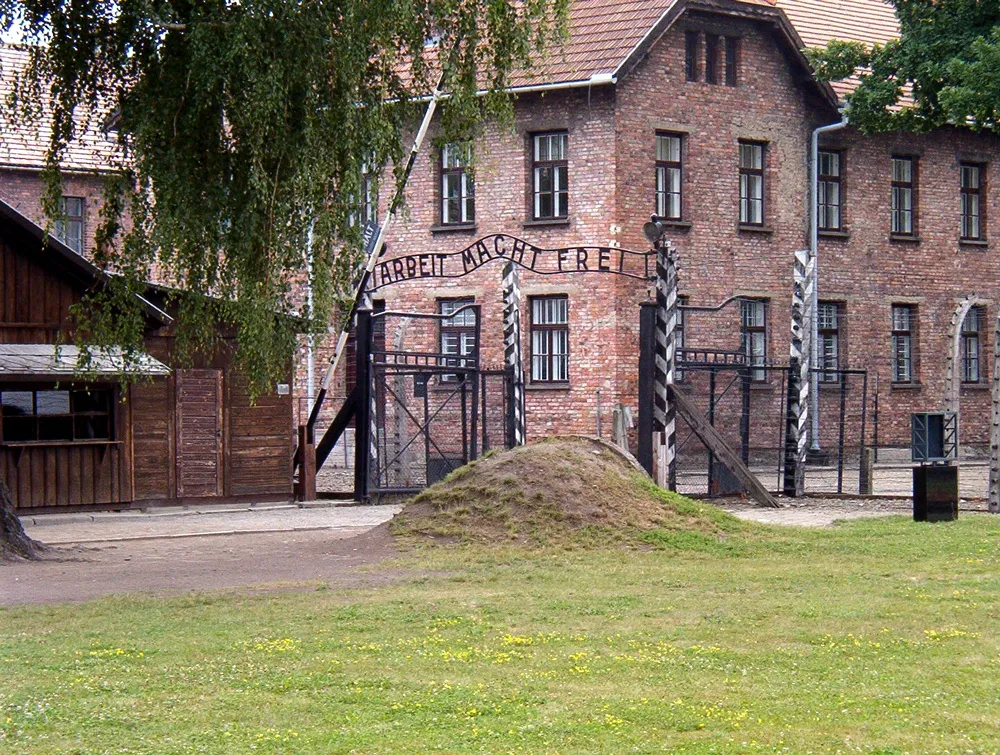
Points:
(653, 231)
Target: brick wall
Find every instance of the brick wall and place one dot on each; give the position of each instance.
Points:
(23, 191)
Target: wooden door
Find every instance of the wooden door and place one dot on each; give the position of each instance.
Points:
(199, 433)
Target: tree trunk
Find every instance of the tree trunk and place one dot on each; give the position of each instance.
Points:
(14, 543)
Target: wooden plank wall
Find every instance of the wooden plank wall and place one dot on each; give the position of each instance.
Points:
(34, 303)
(57, 476)
(153, 411)
(259, 442)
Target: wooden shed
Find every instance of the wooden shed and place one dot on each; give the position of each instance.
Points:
(180, 435)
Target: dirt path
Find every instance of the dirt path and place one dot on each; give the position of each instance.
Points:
(176, 565)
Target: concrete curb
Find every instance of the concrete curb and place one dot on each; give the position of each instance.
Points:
(213, 533)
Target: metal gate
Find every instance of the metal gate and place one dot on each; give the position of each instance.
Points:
(431, 411)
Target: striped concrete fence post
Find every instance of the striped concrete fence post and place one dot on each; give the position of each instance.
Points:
(665, 361)
(797, 428)
(375, 474)
(512, 350)
(994, 502)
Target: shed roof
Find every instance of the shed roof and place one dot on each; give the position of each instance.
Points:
(49, 360)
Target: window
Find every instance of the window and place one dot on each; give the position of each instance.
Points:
(550, 339)
(550, 175)
(458, 200)
(69, 228)
(668, 176)
(692, 45)
(751, 183)
(828, 197)
(51, 415)
(903, 323)
(903, 182)
(712, 44)
(829, 340)
(458, 333)
(970, 342)
(732, 61)
(753, 336)
(971, 189)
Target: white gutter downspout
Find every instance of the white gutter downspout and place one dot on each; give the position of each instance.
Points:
(814, 250)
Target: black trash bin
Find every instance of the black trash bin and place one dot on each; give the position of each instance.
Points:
(935, 493)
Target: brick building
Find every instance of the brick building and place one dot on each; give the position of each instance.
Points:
(701, 112)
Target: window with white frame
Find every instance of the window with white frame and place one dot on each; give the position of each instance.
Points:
(970, 342)
(751, 183)
(458, 333)
(550, 168)
(458, 195)
(668, 176)
(829, 195)
(829, 340)
(903, 192)
(971, 187)
(550, 339)
(903, 325)
(69, 227)
(753, 336)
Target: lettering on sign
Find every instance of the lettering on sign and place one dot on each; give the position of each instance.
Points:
(573, 259)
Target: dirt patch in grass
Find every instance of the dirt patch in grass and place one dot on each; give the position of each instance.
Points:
(560, 490)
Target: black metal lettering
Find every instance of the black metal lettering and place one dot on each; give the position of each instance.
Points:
(500, 245)
(581, 259)
(603, 258)
(534, 257)
(411, 267)
(423, 265)
(563, 254)
(519, 247)
(441, 259)
(397, 270)
(468, 260)
(384, 272)
(484, 252)
(621, 260)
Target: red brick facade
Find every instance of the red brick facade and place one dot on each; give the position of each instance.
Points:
(611, 157)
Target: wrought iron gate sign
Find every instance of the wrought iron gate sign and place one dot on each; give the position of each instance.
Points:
(573, 259)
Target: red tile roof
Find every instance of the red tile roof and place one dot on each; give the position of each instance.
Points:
(23, 145)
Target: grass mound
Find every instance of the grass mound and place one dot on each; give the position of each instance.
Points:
(562, 490)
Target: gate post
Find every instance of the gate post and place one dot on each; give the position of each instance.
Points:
(797, 430)
(647, 358)
(994, 494)
(664, 414)
(363, 436)
(512, 351)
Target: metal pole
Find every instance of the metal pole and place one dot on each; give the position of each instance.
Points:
(465, 421)
(486, 436)
(745, 418)
(362, 429)
(711, 421)
(864, 420)
(783, 418)
(474, 437)
(875, 421)
(840, 438)
(647, 348)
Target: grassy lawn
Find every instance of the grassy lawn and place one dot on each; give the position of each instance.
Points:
(875, 636)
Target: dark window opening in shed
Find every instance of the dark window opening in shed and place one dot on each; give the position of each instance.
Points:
(49, 415)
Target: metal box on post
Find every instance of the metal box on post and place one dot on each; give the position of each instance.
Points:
(934, 445)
